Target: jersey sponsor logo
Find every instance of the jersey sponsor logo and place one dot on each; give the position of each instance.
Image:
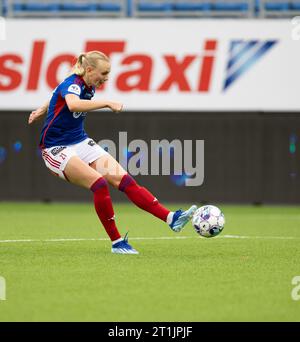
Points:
(75, 89)
(77, 115)
(56, 150)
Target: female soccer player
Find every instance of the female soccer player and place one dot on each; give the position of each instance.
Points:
(70, 154)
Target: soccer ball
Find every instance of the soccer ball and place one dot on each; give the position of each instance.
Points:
(208, 221)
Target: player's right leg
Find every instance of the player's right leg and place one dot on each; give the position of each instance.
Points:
(115, 175)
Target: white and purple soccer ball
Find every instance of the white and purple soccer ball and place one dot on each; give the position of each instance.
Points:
(208, 221)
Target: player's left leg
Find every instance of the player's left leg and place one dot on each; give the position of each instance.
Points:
(115, 175)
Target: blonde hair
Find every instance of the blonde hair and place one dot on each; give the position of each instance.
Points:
(90, 58)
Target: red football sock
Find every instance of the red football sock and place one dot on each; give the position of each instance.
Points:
(142, 197)
(104, 208)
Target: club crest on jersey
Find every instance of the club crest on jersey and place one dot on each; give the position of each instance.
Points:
(75, 89)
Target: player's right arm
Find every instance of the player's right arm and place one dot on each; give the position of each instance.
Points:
(75, 104)
(38, 113)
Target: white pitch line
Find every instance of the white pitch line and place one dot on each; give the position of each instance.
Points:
(98, 239)
(154, 238)
(258, 237)
(50, 240)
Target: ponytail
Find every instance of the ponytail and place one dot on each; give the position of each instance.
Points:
(79, 67)
(88, 59)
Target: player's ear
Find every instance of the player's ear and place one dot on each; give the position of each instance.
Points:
(88, 68)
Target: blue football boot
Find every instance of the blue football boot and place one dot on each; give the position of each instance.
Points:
(123, 247)
(181, 218)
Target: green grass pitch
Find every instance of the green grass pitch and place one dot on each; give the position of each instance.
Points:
(51, 277)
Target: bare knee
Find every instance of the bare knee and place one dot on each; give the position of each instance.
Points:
(110, 169)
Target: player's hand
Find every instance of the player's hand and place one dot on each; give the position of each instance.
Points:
(32, 117)
(35, 115)
(116, 106)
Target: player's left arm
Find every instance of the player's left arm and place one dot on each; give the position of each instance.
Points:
(38, 113)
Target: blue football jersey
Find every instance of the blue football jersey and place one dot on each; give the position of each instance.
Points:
(62, 127)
